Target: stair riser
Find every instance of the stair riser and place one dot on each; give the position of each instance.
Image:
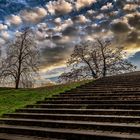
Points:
(75, 118)
(107, 88)
(94, 98)
(103, 91)
(133, 113)
(76, 126)
(90, 102)
(62, 135)
(99, 106)
(70, 95)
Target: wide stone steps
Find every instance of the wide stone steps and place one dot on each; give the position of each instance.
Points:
(117, 127)
(96, 118)
(71, 94)
(121, 85)
(91, 102)
(87, 106)
(95, 98)
(100, 92)
(4, 136)
(82, 111)
(69, 134)
(107, 89)
(106, 109)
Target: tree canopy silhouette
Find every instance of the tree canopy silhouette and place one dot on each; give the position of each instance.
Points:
(21, 62)
(94, 59)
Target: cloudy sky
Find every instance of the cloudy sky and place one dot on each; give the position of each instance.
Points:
(60, 24)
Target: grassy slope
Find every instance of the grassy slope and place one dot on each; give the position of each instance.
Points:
(11, 99)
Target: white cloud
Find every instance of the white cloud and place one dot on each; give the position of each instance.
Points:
(107, 6)
(5, 35)
(64, 24)
(14, 20)
(3, 27)
(59, 7)
(100, 16)
(130, 7)
(81, 19)
(83, 3)
(34, 15)
(58, 21)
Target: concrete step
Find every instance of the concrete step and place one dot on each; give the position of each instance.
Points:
(69, 134)
(97, 94)
(89, 125)
(109, 88)
(95, 98)
(102, 91)
(5, 136)
(90, 86)
(91, 102)
(82, 111)
(88, 106)
(73, 117)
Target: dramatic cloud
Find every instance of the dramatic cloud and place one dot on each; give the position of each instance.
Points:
(134, 20)
(33, 15)
(70, 31)
(130, 7)
(107, 6)
(119, 26)
(5, 35)
(3, 27)
(14, 20)
(80, 19)
(83, 3)
(54, 56)
(59, 7)
(58, 25)
(133, 37)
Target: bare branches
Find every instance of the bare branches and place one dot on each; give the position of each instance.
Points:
(96, 59)
(22, 60)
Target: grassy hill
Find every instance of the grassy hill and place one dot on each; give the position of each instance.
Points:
(11, 99)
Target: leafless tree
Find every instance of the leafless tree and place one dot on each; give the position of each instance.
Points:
(21, 62)
(96, 59)
(82, 57)
(112, 59)
(74, 75)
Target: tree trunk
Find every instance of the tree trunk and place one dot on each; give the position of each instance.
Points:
(104, 70)
(93, 74)
(17, 84)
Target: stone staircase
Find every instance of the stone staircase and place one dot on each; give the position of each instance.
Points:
(107, 109)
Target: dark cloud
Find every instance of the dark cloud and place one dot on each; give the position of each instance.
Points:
(119, 27)
(133, 37)
(70, 31)
(93, 29)
(55, 55)
(134, 20)
(56, 38)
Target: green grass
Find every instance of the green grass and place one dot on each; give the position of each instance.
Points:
(11, 99)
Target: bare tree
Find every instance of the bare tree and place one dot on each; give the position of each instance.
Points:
(97, 59)
(112, 59)
(74, 75)
(21, 62)
(83, 57)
